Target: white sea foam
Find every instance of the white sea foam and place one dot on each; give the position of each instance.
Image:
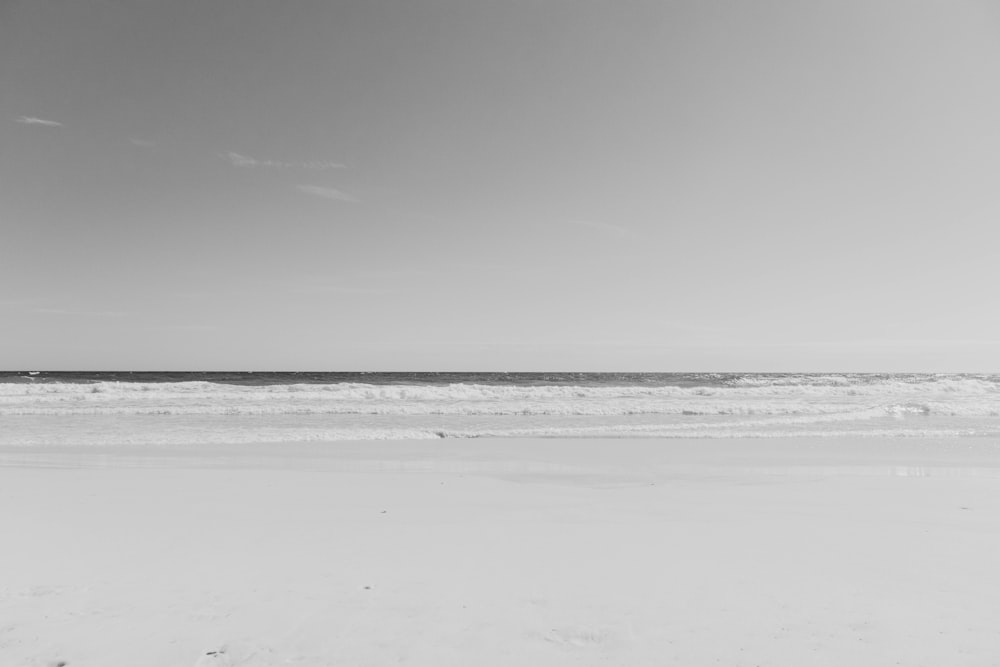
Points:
(173, 412)
(754, 396)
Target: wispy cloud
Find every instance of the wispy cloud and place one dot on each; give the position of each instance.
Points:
(337, 285)
(890, 343)
(87, 313)
(245, 161)
(32, 120)
(605, 227)
(326, 193)
(142, 143)
(191, 327)
(347, 289)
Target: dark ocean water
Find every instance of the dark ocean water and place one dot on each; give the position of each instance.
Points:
(537, 379)
(374, 378)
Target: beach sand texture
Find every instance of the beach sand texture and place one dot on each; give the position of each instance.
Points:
(491, 552)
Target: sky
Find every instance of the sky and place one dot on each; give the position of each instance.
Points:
(703, 185)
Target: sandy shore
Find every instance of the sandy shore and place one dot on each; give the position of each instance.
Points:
(503, 552)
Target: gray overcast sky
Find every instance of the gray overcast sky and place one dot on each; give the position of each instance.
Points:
(518, 185)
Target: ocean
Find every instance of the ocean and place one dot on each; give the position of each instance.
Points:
(150, 408)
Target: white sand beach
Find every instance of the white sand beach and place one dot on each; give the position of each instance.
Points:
(503, 552)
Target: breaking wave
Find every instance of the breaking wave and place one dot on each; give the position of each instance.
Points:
(126, 412)
(793, 395)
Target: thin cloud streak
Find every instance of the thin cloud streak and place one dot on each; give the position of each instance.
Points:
(247, 162)
(191, 327)
(142, 143)
(604, 227)
(343, 289)
(32, 120)
(337, 285)
(894, 343)
(85, 313)
(327, 193)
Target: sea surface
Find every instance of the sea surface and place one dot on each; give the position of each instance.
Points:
(149, 408)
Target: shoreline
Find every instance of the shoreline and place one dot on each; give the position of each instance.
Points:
(654, 455)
